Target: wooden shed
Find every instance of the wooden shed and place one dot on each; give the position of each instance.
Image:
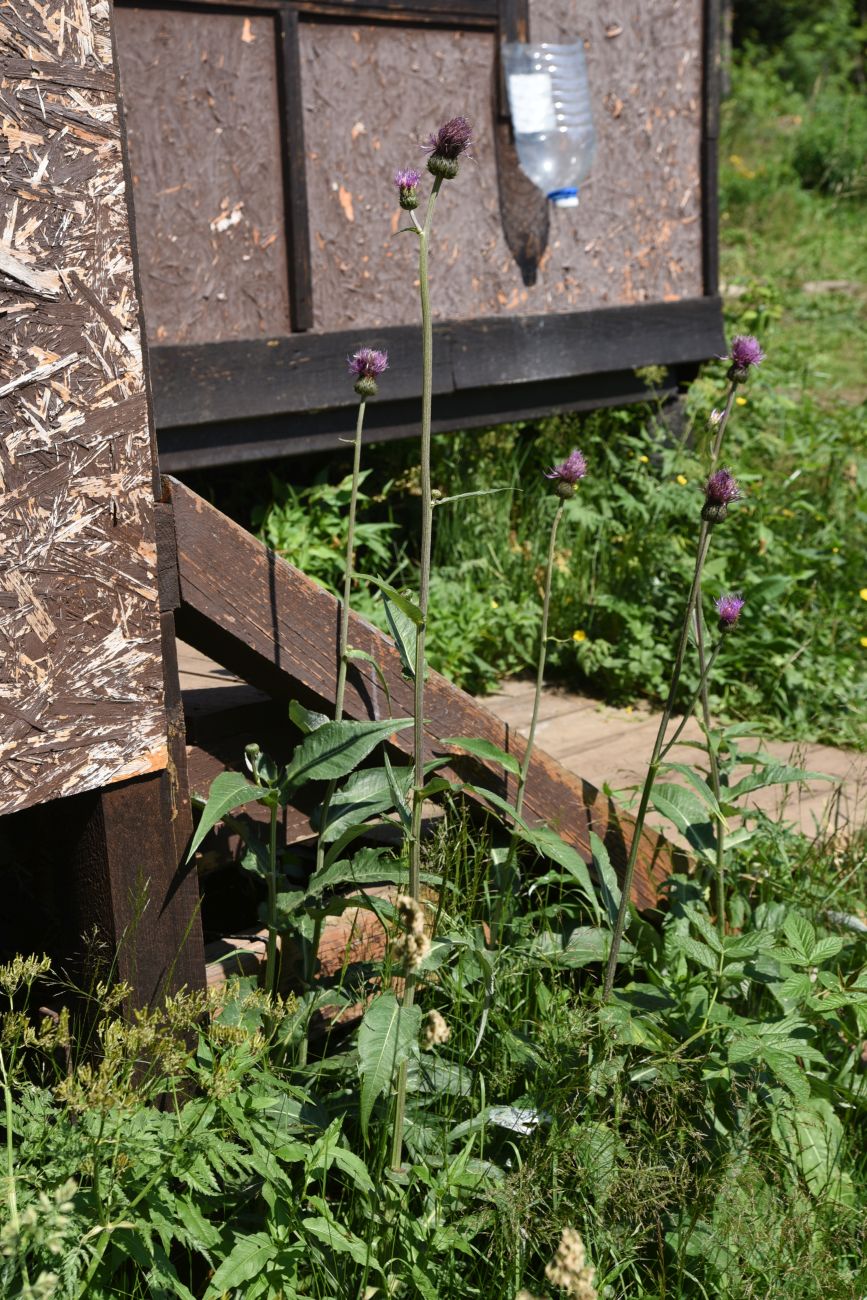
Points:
(249, 316)
(263, 136)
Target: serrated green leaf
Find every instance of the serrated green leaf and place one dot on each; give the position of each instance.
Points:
(365, 868)
(800, 934)
(336, 748)
(486, 750)
(825, 948)
(340, 1239)
(703, 924)
(387, 1037)
(696, 951)
(246, 1259)
(229, 791)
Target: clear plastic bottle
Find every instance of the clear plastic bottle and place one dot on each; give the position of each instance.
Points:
(549, 103)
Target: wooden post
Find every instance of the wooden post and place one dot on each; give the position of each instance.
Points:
(91, 732)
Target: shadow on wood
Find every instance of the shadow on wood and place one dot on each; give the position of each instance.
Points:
(275, 628)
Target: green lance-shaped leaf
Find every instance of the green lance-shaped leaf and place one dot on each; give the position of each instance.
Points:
(388, 1036)
(228, 791)
(337, 748)
(550, 845)
(485, 750)
(403, 603)
(403, 631)
(608, 882)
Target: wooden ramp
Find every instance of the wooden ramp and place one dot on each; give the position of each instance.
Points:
(264, 621)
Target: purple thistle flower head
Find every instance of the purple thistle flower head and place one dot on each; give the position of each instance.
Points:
(447, 146)
(729, 610)
(720, 491)
(366, 365)
(567, 474)
(407, 181)
(746, 351)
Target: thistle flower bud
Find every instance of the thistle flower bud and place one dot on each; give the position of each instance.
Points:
(567, 474)
(446, 147)
(367, 365)
(407, 182)
(729, 609)
(720, 491)
(745, 352)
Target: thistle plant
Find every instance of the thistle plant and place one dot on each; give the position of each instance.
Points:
(721, 490)
(445, 149)
(565, 477)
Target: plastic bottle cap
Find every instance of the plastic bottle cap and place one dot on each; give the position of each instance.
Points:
(564, 198)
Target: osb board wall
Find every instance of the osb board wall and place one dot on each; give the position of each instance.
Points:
(371, 93)
(81, 696)
(202, 118)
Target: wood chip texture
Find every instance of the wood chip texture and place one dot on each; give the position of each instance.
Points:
(81, 693)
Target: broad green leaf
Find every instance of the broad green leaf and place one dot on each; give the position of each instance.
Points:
(696, 951)
(772, 773)
(336, 748)
(698, 784)
(367, 867)
(812, 1137)
(306, 720)
(608, 882)
(228, 791)
(403, 632)
(403, 603)
(485, 750)
(361, 796)
(688, 814)
(247, 1258)
(388, 1036)
(825, 948)
(583, 946)
(340, 1239)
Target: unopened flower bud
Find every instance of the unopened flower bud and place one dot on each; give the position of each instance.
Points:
(407, 182)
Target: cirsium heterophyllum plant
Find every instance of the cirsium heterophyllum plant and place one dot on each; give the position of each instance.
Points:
(721, 490)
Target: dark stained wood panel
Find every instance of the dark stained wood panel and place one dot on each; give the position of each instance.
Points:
(202, 112)
(372, 93)
(81, 684)
(276, 628)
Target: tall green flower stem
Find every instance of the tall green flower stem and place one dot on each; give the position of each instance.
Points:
(531, 734)
(312, 949)
(705, 665)
(659, 743)
(427, 507)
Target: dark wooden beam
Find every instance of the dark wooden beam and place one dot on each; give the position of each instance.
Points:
(274, 627)
(234, 441)
(443, 13)
(294, 171)
(212, 382)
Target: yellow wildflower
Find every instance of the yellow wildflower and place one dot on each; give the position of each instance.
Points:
(579, 635)
(644, 459)
(495, 604)
(864, 642)
(740, 401)
(863, 593)
(682, 480)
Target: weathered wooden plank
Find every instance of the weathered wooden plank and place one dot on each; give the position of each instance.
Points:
(81, 687)
(277, 629)
(295, 171)
(231, 441)
(250, 378)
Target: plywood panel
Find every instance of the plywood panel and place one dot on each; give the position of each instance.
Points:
(372, 93)
(201, 105)
(81, 691)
